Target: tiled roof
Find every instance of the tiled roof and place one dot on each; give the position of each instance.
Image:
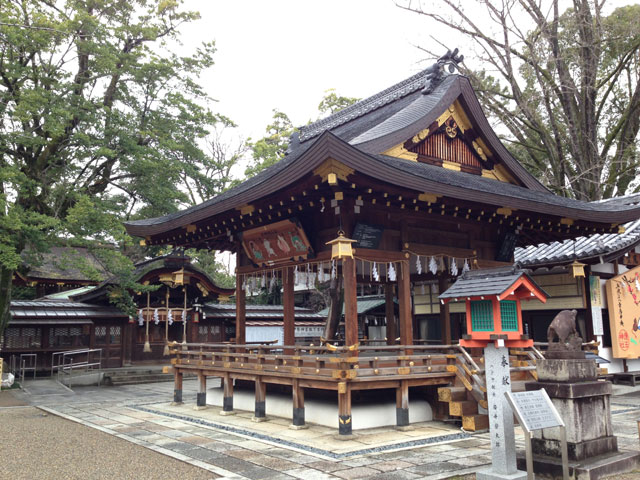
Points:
(59, 309)
(365, 304)
(66, 264)
(585, 248)
(216, 310)
(493, 281)
(405, 87)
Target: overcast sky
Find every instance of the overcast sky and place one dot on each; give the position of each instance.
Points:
(284, 54)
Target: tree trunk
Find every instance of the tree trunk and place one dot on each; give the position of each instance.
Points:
(6, 276)
(335, 308)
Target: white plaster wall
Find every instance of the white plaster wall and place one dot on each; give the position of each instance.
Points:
(380, 414)
(265, 334)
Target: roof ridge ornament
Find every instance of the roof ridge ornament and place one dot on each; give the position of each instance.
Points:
(436, 72)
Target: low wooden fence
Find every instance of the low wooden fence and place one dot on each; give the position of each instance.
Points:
(344, 370)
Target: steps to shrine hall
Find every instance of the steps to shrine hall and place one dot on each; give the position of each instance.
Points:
(135, 375)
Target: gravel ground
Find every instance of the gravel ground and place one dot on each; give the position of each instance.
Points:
(36, 445)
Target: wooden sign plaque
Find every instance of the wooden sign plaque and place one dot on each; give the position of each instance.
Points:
(276, 243)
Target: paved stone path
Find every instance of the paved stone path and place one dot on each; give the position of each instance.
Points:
(140, 414)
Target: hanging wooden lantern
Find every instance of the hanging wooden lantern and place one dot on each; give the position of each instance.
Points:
(341, 247)
(577, 269)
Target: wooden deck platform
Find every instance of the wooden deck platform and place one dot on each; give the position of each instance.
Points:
(339, 369)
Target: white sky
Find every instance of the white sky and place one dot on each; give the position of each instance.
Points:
(284, 54)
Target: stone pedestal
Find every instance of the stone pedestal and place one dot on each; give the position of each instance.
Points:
(583, 403)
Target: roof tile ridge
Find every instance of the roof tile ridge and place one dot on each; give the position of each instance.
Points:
(361, 107)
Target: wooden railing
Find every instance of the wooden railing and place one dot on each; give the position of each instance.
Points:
(317, 362)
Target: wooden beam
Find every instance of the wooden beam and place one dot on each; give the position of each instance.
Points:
(261, 396)
(177, 387)
(240, 312)
(445, 317)
(402, 404)
(201, 396)
(404, 299)
(429, 250)
(390, 314)
(344, 409)
(289, 308)
(298, 404)
(350, 301)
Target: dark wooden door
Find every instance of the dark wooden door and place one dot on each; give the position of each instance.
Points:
(108, 337)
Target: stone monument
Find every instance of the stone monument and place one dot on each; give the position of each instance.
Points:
(571, 381)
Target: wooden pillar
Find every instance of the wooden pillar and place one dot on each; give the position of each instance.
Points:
(298, 405)
(588, 320)
(201, 396)
(350, 301)
(289, 309)
(404, 299)
(240, 312)
(445, 317)
(344, 409)
(260, 411)
(227, 395)
(390, 314)
(177, 387)
(402, 404)
(128, 340)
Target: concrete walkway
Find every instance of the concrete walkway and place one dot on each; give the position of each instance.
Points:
(236, 448)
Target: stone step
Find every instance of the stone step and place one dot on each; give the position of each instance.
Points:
(122, 379)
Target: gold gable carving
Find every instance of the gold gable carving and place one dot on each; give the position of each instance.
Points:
(333, 168)
(452, 141)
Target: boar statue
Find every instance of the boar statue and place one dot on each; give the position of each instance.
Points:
(562, 333)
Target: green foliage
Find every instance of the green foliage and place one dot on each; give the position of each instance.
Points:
(18, 292)
(271, 149)
(100, 121)
(332, 102)
(209, 262)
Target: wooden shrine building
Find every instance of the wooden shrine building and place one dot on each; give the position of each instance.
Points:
(171, 313)
(418, 179)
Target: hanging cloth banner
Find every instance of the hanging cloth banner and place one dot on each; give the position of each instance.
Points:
(418, 265)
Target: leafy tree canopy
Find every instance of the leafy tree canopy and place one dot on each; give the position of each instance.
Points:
(272, 148)
(99, 121)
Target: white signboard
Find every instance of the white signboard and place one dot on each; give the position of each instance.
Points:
(596, 316)
(534, 410)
